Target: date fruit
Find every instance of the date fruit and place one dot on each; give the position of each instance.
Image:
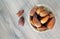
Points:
(21, 21)
(44, 20)
(51, 23)
(20, 13)
(33, 10)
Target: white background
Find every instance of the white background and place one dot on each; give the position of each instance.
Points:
(8, 20)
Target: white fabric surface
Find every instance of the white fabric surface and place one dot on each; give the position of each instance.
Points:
(8, 20)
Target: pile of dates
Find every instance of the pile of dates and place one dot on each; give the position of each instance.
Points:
(41, 18)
